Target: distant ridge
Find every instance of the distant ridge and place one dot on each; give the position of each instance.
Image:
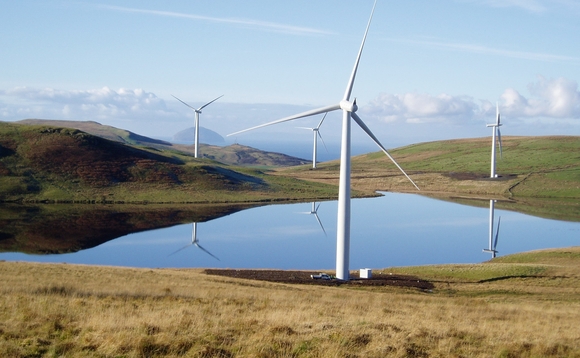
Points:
(97, 129)
(233, 154)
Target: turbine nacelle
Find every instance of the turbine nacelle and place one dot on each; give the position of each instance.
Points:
(348, 106)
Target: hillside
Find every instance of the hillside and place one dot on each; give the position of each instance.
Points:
(41, 163)
(537, 175)
(233, 154)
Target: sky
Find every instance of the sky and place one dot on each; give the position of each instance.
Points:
(429, 70)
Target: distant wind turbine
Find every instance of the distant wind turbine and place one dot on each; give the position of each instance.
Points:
(348, 111)
(492, 242)
(195, 241)
(314, 211)
(316, 131)
(496, 130)
(197, 113)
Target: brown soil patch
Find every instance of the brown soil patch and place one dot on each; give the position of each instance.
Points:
(303, 277)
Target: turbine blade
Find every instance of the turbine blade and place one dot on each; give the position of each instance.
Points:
(320, 135)
(496, 233)
(305, 128)
(320, 222)
(183, 248)
(207, 252)
(208, 103)
(312, 112)
(322, 120)
(184, 103)
(370, 134)
(355, 68)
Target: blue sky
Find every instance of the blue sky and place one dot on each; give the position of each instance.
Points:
(429, 71)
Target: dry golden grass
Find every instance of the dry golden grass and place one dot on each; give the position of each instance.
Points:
(83, 311)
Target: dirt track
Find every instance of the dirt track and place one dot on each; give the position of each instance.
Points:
(303, 277)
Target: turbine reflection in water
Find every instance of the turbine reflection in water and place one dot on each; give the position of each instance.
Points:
(492, 248)
(419, 231)
(195, 241)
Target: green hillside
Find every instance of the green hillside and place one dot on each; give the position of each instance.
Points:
(537, 175)
(42, 163)
(530, 166)
(234, 154)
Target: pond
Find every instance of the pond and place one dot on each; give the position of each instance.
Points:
(392, 230)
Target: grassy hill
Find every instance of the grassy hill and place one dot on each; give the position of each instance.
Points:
(232, 154)
(463, 166)
(537, 175)
(42, 163)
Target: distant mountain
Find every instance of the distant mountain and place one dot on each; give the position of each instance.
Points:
(233, 154)
(206, 136)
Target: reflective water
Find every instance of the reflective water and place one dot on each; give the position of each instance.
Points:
(393, 230)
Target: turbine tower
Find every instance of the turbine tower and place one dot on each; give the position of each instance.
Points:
(316, 132)
(197, 113)
(496, 130)
(492, 243)
(349, 109)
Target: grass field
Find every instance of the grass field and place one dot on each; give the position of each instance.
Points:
(538, 175)
(530, 166)
(524, 305)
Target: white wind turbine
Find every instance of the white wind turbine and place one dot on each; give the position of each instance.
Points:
(349, 109)
(316, 132)
(195, 241)
(314, 211)
(492, 242)
(197, 113)
(495, 129)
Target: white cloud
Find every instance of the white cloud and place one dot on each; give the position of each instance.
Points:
(533, 6)
(552, 98)
(256, 24)
(92, 103)
(529, 5)
(486, 50)
(547, 102)
(422, 108)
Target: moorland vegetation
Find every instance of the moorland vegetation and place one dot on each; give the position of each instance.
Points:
(65, 165)
(523, 305)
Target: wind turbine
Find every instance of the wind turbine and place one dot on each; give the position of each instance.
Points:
(495, 129)
(316, 131)
(195, 241)
(314, 211)
(492, 243)
(349, 109)
(197, 113)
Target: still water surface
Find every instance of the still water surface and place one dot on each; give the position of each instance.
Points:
(393, 230)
